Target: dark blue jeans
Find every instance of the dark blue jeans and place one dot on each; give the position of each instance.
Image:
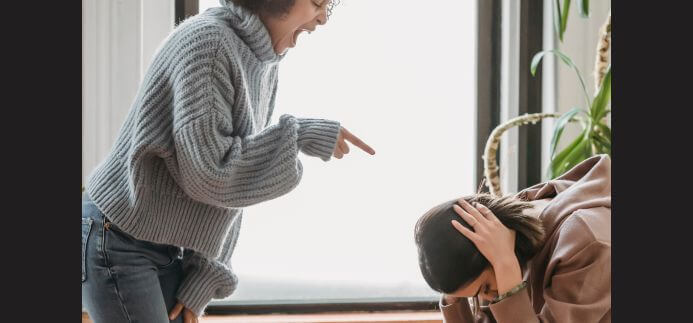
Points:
(125, 279)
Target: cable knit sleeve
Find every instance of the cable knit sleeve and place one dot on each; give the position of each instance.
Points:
(205, 278)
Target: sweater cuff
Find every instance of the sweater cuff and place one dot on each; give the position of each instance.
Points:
(515, 308)
(204, 280)
(318, 137)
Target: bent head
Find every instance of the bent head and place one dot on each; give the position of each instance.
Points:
(451, 264)
(285, 20)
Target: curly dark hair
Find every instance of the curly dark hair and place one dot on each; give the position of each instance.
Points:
(276, 7)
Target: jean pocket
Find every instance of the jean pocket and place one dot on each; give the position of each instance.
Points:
(123, 249)
(173, 255)
(86, 230)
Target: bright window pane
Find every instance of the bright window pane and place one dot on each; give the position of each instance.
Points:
(400, 75)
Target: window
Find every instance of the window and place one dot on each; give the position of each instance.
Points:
(401, 76)
(398, 74)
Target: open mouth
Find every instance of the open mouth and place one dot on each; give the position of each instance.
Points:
(296, 34)
(295, 38)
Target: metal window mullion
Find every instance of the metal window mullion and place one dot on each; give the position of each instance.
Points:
(509, 97)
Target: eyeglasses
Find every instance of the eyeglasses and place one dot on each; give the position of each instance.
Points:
(330, 7)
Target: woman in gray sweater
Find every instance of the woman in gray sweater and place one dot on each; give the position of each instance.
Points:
(162, 212)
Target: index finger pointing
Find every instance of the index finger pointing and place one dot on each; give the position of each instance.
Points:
(358, 142)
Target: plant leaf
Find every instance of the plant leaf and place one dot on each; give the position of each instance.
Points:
(537, 59)
(557, 22)
(603, 143)
(564, 17)
(584, 8)
(603, 95)
(558, 159)
(558, 129)
(605, 130)
(535, 62)
(576, 155)
(603, 114)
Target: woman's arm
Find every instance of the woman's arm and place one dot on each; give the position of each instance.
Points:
(225, 170)
(579, 292)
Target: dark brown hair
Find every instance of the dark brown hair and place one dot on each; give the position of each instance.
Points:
(275, 8)
(269, 7)
(448, 260)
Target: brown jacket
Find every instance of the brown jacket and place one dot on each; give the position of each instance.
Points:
(569, 279)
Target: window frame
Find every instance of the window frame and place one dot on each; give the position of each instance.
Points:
(185, 9)
(525, 19)
(329, 305)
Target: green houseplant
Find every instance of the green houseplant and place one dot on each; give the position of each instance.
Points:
(595, 135)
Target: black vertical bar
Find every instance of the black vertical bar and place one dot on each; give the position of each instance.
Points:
(185, 9)
(529, 148)
(487, 76)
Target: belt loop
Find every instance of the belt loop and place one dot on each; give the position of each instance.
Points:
(106, 223)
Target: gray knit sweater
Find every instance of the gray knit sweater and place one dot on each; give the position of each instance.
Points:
(196, 147)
